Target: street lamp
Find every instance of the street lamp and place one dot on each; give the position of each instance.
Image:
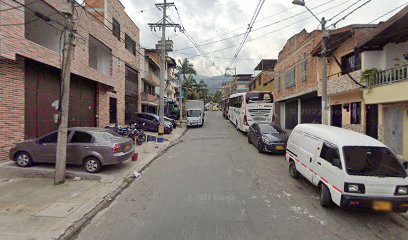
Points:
(325, 107)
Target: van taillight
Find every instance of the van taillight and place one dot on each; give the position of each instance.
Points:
(116, 148)
(246, 120)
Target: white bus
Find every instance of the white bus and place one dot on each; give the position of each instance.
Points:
(250, 107)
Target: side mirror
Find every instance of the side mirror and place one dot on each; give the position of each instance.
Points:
(336, 162)
(405, 164)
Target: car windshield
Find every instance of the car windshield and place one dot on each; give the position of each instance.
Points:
(267, 128)
(260, 97)
(372, 161)
(193, 113)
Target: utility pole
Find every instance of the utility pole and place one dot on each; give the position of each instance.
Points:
(325, 100)
(61, 155)
(162, 25)
(181, 96)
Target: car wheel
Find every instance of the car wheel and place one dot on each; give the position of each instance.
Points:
(292, 170)
(260, 147)
(249, 140)
(92, 165)
(236, 124)
(325, 196)
(23, 159)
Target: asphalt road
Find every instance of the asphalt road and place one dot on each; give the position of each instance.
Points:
(214, 185)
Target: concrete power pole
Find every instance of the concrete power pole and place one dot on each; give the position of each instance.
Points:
(59, 176)
(181, 96)
(163, 69)
(325, 100)
(162, 25)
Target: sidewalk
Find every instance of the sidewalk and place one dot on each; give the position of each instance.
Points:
(31, 207)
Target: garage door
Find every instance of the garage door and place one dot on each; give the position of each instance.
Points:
(311, 110)
(42, 88)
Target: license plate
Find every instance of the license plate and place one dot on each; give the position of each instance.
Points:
(382, 206)
(280, 147)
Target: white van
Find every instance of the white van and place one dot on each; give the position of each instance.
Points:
(351, 169)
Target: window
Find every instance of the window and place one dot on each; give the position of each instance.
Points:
(304, 70)
(355, 113)
(350, 63)
(52, 138)
(260, 97)
(236, 102)
(81, 137)
(290, 78)
(116, 28)
(131, 78)
(130, 44)
(278, 82)
(329, 152)
(148, 88)
(151, 118)
(268, 128)
(372, 161)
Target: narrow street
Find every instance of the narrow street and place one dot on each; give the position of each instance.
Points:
(214, 185)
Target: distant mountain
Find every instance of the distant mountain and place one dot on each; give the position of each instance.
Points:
(213, 83)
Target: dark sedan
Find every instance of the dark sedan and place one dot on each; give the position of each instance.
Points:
(90, 147)
(150, 122)
(267, 137)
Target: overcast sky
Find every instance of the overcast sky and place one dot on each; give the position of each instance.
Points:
(211, 20)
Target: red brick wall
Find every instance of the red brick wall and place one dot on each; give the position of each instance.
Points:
(14, 45)
(296, 50)
(12, 104)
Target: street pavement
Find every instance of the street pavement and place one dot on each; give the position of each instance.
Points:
(214, 185)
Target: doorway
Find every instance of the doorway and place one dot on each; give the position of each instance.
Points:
(336, 115)
(372, 120)
(393, 129)
(113, 110)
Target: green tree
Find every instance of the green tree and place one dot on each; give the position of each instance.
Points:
(186, 68)
(217, 97)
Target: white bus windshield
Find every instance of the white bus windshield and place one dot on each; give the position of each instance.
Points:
(259, 97)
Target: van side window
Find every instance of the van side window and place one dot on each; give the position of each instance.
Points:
(329, 152)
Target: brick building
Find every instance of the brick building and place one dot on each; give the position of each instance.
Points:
(105, 67)
(296, 81)
(265, 73)
(150, 81)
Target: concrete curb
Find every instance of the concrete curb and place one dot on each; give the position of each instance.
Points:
(72, 231)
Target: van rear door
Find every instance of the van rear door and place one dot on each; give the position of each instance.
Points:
(308, 149)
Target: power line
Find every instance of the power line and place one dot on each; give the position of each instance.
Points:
(209, 42)
(250, 25)
(342, 11)
(351, 12)
(184, 31)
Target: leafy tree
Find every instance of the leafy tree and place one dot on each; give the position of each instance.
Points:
(217, 97)
(186, 68)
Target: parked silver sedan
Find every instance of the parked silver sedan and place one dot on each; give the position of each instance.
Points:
(89, 147)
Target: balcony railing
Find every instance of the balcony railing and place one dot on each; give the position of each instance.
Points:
(391, 75)
(146, 97)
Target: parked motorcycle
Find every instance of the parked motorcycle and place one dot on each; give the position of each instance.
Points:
(133, 132)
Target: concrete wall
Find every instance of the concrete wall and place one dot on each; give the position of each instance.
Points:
(391, 56)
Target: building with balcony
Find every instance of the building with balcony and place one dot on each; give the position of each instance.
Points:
(172, 83)
(240, 83)
(264, 73)
(104, 60)
(344, 87)
(150, 76)
(385, 52)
